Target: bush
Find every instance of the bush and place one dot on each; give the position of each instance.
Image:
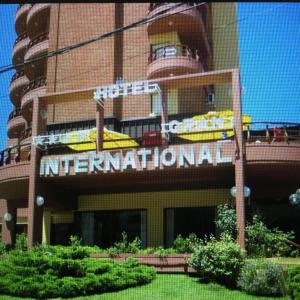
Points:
(261, 241)
(262, 279)
(226, 220)
(40, 275)
(293, 282)
(264, 242)
(218, 261)
(21, 242)
(186, 245)
(124, 246)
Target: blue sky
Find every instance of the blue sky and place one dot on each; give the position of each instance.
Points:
(269, 43)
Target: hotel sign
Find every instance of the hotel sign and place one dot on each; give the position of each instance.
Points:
(182, 156)
(125, 89)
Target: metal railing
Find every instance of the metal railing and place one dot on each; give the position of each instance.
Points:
(34, 84)
(15, 154)
(270, 132)
(17, 75)
(256, 132)
(15, 113)
(153, 6)
(21, 37)
(38, 39)
(26, 134)
(173, 51)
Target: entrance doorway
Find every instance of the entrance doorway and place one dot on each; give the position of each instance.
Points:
(104, 228)
(198, 220)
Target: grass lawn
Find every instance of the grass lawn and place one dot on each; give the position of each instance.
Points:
(171, 287)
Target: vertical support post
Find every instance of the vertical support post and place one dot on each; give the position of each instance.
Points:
(35, 213)
(8, 228)
(164, 114)
(46, 227)
(99, 125)
(239, 157)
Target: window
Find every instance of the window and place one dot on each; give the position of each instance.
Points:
(156, 104)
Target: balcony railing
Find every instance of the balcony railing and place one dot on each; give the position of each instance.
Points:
(270, 132)
(26, 134)
(173, 51)
(34, 84)
(17, 75)
(153, 6)
(21, 37)
(38, 39)
(14, 114)
(15, 154)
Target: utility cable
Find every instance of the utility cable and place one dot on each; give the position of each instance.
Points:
(64, 50)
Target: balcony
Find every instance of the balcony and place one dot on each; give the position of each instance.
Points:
(21, 16)
(38, 19)
(25, 138)
(19, 48)
(17, 84)
(181, 19)
(35, 88)
(14, 172)
(15, 124)
(173, 60)
(36, 48)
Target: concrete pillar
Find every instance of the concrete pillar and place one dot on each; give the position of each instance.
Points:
(8, 228)
(35, 213)
(239, 157)
(99, 126)
(164, 113)
(46, 227)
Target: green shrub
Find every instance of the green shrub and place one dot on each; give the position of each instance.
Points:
(2, 248)
(21, 242)
(264, 242)
(293, 282)
(218, 260)
(261, 241)
(125, 246)
(262, 279)
(186, 245)
(226, 220)
(36, 274)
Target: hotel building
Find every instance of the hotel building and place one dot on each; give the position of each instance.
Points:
(140, 130)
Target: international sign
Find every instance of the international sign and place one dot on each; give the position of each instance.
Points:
(183, 156)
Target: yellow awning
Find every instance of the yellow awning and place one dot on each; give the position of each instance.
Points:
(85, 140)
(210, 124)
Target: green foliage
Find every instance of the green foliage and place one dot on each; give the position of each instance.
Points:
(293, 282)
(45, 272)
(262, 278)
(21, 242)
(125, 246)
(261, 241)
(186, 245)
(2, 248)
(226, 220)
(264, 242)
(218, 260)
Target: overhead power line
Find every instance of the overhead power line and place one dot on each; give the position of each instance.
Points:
(164, 13)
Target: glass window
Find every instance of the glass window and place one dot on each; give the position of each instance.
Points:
(198, 220)
(156, 104)
(104, 228)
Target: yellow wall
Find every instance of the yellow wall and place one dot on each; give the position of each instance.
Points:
(225, 48)
(167, 37)
(154, 203)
